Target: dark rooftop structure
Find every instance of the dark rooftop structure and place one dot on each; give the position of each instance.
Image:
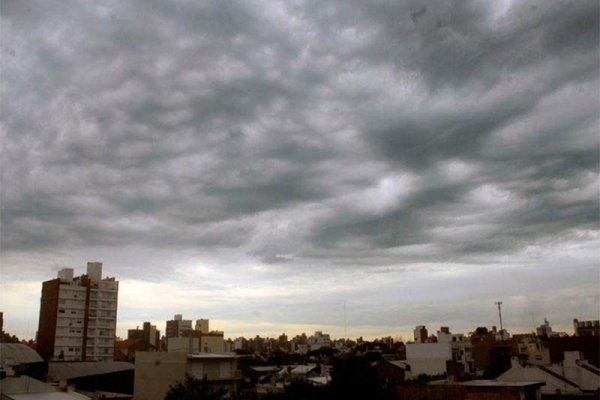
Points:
(109, 376)
(19, 359)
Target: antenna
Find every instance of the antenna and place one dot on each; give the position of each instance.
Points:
(499, 304)
(345, 325)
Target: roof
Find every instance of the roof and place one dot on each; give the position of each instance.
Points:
(399, 363)
(489, 383)
(303, 369)
(494, 383)
(18, 353)
(27, 388)
(215, 356)
(24, 384)
(569, 379)
(266, 369)
(47, 396)
(63, 371)
(320, 380)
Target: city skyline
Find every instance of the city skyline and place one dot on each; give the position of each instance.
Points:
(284, 167)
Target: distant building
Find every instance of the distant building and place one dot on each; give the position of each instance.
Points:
(318, 340)
(420, 334)
(78, 316)
(155, 372)
(492, 350)
(430, 358)
(202, 325)
(182, 338)
(545, 330)
(532, 349)
(177, 326)
(586, 328)
(149, 337)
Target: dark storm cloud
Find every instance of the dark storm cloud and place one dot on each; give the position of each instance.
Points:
(337, 133)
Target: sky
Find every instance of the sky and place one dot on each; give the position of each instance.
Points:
(358, 167)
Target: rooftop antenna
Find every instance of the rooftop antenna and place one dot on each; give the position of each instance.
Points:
(345, 323)
(499, 304)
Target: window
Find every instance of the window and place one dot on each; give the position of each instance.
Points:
(61, 311)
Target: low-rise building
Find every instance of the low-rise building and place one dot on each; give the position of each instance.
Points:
(574, 376)
(430, 358)
(155, 372)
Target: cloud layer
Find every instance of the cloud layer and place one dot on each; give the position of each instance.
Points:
(305, 154)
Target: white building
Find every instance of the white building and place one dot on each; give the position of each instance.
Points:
(78, 316)
(430, 358)
(318, 340)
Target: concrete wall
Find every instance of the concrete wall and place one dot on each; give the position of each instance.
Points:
(155, 372)
(185, 344)
(212, 344)
(427, 358)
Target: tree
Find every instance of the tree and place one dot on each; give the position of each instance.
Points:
(194, 389)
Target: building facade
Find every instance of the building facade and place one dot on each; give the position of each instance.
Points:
(586, 328)
(182, 338)
(430, 358)
(156, 372)
(78, 316)
(149, 337)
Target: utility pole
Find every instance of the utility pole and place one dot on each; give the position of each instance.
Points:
(499, 304)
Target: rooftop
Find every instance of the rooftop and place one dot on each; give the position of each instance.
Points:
(214, 356)
(18, 353)
(62, 371)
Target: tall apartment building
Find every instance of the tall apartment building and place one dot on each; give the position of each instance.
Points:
(78, 316)
(177, 325)
(420, 334)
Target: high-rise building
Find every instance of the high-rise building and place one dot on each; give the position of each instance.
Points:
(420, 334)
(177, 326)
(78, 316)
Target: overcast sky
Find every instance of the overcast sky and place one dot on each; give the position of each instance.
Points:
(264, 163)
